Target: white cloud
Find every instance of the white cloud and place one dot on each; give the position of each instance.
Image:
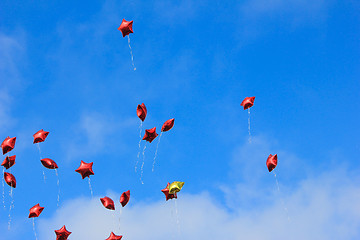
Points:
(324, 207)
(94, 133)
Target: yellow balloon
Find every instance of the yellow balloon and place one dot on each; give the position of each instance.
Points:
(175, 187)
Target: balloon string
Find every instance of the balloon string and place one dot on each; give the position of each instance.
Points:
(132, 56)
(120, 219)
(58, 184)
(3, 189)
(177, 217)
(281, 199)
(34, 228)
(38, 147)
(92, 196)
(142, 165)
(11, 206)
(249, 125)
(138, 155)
(157, 146)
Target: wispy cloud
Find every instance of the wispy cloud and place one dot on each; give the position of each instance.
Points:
(320, 208)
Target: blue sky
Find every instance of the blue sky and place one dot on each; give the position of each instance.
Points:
(65, 68)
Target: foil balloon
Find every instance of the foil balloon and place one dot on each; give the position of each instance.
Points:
(175, 187)
(8, 144)
(62, 233)
(126, 27)
(150, 134)
(108, 203)
(114, 237)
(141, 111)
(168, 125)
(40, 136)
(49, 163)
(271, 162)
(167, 194)
(10, 179)
(85, 169)
(124, 198)
(8, 162)
(35, 211)
(248, 102)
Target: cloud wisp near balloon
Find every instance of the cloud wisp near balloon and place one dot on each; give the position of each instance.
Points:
(247, 103)
(126, 29)
(165, 127)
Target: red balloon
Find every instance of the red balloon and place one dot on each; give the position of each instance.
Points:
(150, 134)
(114, 237)
(8, 144)
(167, 194)
(126, 27)
(62, 233)
(49, 163)
(141, 111)
(124, 198)
(10, 179)
(248, 102)
(108, 203)
(9, 162)
(35, 211)
(168, 125)
(40, 136)
(271, 162)
(85, 169)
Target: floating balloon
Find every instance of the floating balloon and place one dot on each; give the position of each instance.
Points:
(114, 237)
(141, 111)
(168, 125)
(271, 162)
(126, 27)
(124, 198)
(40, 136)
(62, 233)
(8, 162)
(167, 194)
(108, 203)
(8, 144)
(49, 163)
(150, 134)
(85, 169)
(175, 187)
(35, 211)
(10, 179)
(248, 102)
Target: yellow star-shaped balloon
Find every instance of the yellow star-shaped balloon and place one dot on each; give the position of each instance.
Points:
(175, 187)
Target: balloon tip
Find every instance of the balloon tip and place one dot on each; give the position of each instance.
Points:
(134, 69)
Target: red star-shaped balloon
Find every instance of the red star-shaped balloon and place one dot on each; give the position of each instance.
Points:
(248, 102)
(62, 233)
(10, 179)
(85, 169)
(124, 198)
(49, 163)
(35, 211)
(114, 237)
(126, 27)
(108, 203)
(167, 194)
(150, 134)
(168, 125)
(40, 136)
(141, 111)
(8, 144)
(8, 162)
(271, 162)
